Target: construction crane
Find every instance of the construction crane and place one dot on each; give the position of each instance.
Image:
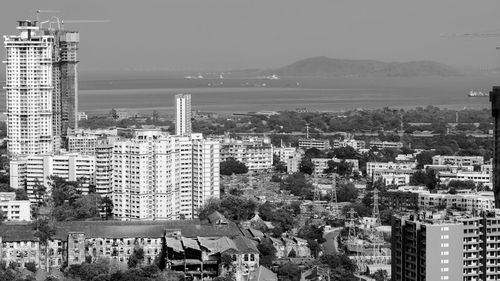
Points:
(60, 23)
(38, 12)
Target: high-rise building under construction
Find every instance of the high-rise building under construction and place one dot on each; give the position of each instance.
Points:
(495, 112)
(41, 87)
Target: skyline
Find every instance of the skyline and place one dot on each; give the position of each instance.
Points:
(191, 35)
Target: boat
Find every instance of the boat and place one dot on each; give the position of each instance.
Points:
(475, 94)
(272, 77)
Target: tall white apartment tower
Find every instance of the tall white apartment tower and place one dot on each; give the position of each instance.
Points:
(29, 90)
(156, 176)
(182, 114)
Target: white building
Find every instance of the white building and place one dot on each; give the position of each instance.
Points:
(29, 91)
(284, 153)
(156, 176)
(356, 144)
(476, 177)
(372, 167)
(41, 86)
(320, 164)
(104, 165)
(36, 169)
(468, 202)
(182, 114)
(255, 154)
(395, 179)
(314, 143)
(386, 144)
(457, 160)
(82, 144)
(14, 210)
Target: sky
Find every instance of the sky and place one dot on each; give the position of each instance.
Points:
(234, 34)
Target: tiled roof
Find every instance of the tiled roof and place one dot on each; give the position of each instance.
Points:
(122, 229)
(263, 274)
(245, 245)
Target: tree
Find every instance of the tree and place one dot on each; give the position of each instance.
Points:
(280, 167)
(424, 158)
(226, 260)
(289, 272)
(267, 252)
(232, 166)
(113, 114)
(43, 230)
(136, 258)
(306, 166)
(2, 217)
(380, 275)
(31, 266)
(232, 207)
(347, 193)
(107, 207)
(297, 185)
(458, 184)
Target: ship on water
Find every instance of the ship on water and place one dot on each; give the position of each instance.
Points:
(475, 94)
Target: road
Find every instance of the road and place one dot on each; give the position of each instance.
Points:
(331, 244)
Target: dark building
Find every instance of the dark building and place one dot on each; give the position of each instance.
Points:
(401, 200)
(495, 112)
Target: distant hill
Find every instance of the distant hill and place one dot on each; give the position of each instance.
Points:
(328, 67)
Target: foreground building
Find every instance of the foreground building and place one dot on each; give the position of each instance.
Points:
(191, 246)
(156, 176)
(495, 112)
(457, 246)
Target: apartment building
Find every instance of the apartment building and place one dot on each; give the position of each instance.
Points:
(37, 169)
(156, 176)
(14, 210)
(446, 246)
(320, 164)
(29, 91)
(372, 167)
(183, 114)
(457, 160)
(386, 144)
(356, 144)
(189, 244)
(476, 177)
(314, 143)
(41, 86)
(256, 154)
(82, 144)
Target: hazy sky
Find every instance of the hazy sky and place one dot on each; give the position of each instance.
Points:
(160, 34)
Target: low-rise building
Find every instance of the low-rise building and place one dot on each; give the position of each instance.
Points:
(476, 177)
(190, 244)
(372, 167)
(386, 144)
(12, 209)
(257, 155)
(314, 143)
(457, 160)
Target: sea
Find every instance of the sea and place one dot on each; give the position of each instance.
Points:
(236, 95)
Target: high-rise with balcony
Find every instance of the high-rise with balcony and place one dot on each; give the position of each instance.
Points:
(460, 246)
(29, 90)
(156, 176)
(41, 88)
(182, 114)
